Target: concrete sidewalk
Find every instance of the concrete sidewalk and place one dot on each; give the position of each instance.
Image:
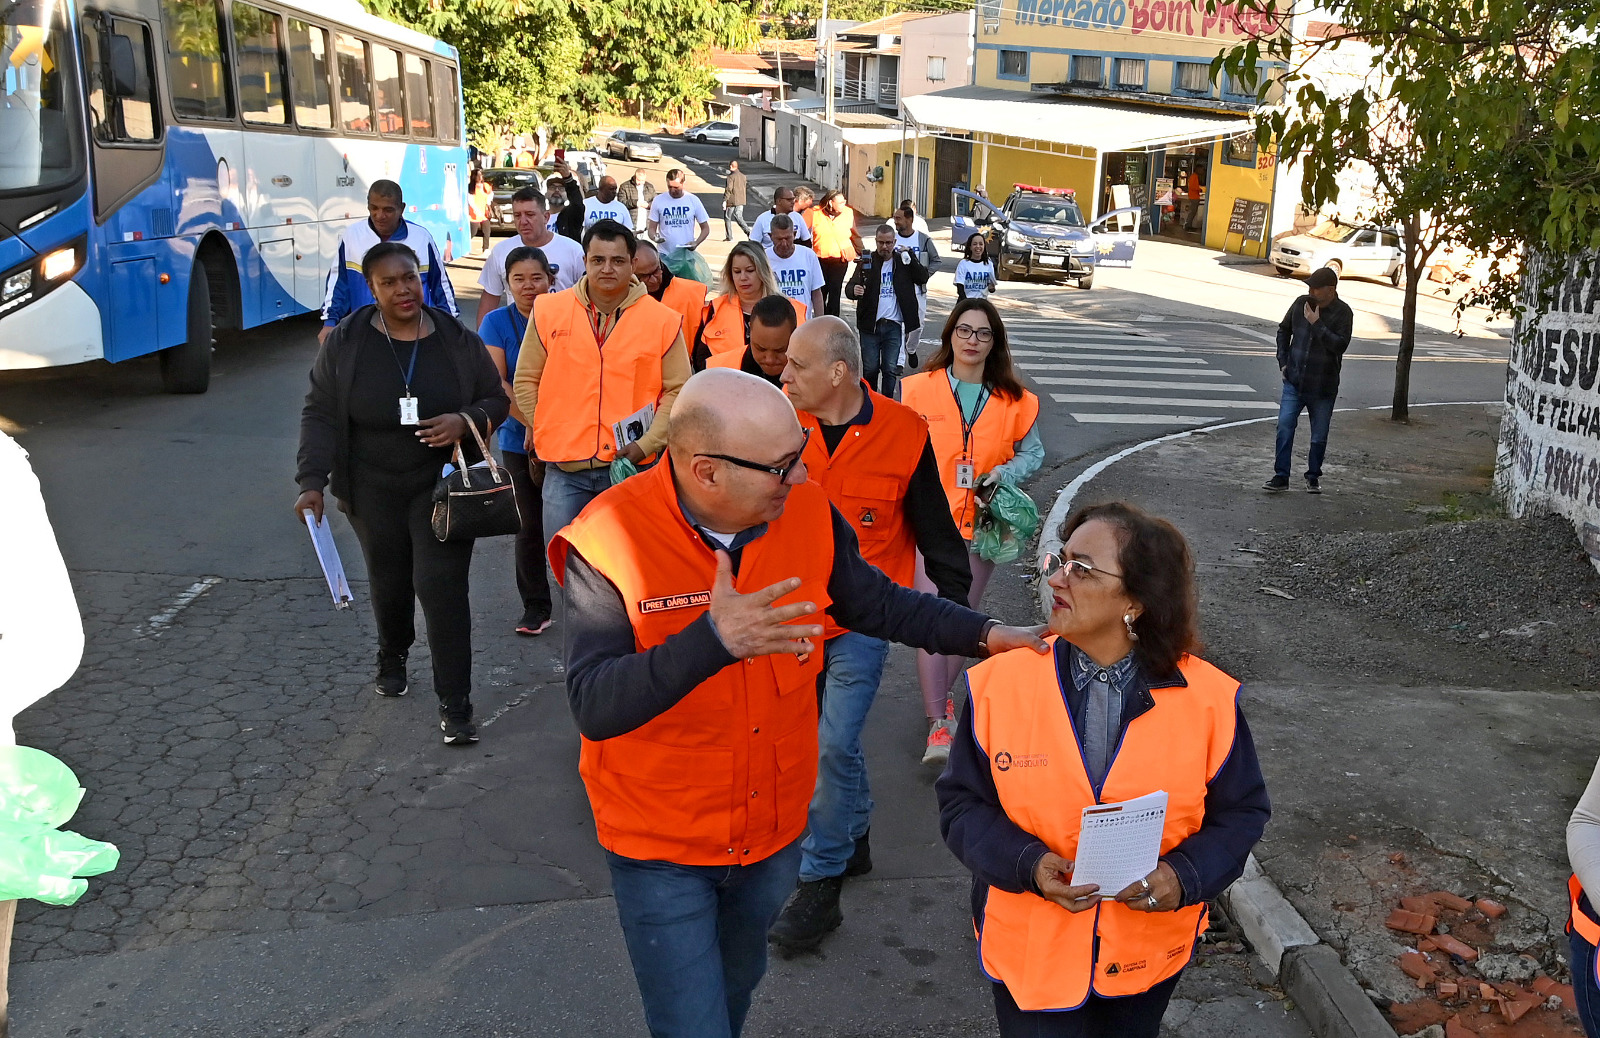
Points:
(1418, 673)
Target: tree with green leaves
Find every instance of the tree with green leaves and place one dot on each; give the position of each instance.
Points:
(1476, 118)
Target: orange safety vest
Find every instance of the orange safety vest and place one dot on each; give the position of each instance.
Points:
(582, 393)
(989, 442)
(726, 775)
(1047, 957)
(688, 297)
(1583, 923)
(732, 359)
(831, 235)
(866, 478)
(722, 327)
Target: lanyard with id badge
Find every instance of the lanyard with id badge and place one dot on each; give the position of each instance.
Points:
(408, 403)
(966, 469)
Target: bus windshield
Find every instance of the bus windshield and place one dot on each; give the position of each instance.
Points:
(36, 114)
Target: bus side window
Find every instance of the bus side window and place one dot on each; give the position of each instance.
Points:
(308, 75)
(355, 93)
(419, 97)
(388, 107)
(447, 100)
(197, 62)
(121, 91)
(258, 40)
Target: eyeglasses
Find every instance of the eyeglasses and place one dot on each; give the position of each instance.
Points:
(1076, 568)
(966, 331)
(783, 472)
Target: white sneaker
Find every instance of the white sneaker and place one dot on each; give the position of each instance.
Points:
(941, 734)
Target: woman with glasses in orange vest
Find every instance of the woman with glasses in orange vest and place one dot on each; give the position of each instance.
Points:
(1583, 926)
(746, 279)
(1120, 708)
(982, 424)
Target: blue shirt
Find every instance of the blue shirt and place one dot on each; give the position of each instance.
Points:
(504, 329)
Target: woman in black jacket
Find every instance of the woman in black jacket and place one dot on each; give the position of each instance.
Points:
(389, 392)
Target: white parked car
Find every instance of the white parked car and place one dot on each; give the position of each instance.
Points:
(1350, 250)
(714, 132)
(632, 145)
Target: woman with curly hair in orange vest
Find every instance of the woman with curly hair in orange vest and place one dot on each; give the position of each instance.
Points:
(1120, 708)
(981, 421)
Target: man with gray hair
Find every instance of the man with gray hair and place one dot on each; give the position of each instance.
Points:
(858, 439)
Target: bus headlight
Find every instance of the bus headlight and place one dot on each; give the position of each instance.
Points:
(57, 265)
(16, 285)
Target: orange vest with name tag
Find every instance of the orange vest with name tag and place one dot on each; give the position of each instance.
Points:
(866, 478)
(1047, 957)
(587, 388)
(992, 442)
(726, 775)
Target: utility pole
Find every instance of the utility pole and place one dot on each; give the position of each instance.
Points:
(823, 30)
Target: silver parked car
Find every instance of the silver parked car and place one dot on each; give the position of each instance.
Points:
(632, 145)
(1349, 250)
(714, 132)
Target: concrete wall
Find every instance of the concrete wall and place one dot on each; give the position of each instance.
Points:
(948, 36)
(1549, 452)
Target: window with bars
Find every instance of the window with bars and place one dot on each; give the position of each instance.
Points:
(1087, 69)
(1130, 74)
(1014, 64)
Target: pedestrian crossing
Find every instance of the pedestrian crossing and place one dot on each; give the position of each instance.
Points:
(1108, 374)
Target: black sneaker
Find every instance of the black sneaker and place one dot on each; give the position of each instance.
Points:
(860, 862)
(458, 731)
(811, 914)
(391, 680)
(1313, 486)
(1276, 483)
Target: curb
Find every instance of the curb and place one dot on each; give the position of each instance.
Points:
(1311, 973)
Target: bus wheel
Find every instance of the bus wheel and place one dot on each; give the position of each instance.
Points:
(186, 367)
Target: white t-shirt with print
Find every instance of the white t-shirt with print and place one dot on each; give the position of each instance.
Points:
(798, 276)
(595, 210)
(676, 218)
(761, 230)
(888, 302)
(564, 254)
(975, 278)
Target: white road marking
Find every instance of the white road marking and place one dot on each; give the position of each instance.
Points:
(162, 620)
(1158, 401)
(1034, 366)
(1128, 383)
(1131, 347)
(1142, 419)
(1056, 355)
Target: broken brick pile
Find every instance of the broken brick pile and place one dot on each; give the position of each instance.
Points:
(1452, 933)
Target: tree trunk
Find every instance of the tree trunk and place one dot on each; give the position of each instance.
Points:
(1400, 408)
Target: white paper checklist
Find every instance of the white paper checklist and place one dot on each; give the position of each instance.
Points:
(1120, 844)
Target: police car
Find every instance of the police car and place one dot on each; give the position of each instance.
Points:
(1041, 232)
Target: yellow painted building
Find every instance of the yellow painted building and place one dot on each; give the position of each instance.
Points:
(1112, 98)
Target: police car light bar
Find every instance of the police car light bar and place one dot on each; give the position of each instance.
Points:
(1064, 192)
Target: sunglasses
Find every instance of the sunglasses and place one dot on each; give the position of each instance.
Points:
(783, 472)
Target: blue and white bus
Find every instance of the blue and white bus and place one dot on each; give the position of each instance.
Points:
(172, 168)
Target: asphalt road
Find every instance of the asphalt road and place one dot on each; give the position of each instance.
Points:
(301, 858)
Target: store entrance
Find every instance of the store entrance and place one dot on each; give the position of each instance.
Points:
(1179, 211)
(1127, 182)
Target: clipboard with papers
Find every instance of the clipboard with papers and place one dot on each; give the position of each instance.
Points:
(328, 557)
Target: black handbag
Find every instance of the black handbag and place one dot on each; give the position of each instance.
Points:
(475, 502)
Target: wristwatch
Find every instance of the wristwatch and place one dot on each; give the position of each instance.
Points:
(983, 639)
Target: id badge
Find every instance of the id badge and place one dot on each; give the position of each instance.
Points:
(408, 411)
(966, 475)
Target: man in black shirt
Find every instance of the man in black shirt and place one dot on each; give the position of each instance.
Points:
(1312, 339)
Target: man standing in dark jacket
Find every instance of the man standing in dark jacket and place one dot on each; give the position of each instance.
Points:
(885, 288)
(734, 190)
(1311, 344)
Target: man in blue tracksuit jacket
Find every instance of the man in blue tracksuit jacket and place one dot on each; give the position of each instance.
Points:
(347, 289)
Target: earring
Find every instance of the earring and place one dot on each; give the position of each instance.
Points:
(1127, 621)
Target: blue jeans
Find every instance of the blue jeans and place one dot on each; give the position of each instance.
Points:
(566, 494)
(697, 937)
(1321, 412)
(880, 356)
(841, 808)
(1584, 986)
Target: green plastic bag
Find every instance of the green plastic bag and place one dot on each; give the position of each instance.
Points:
(621, 469)
(37, 860)
(1005, 523)
(687, 263)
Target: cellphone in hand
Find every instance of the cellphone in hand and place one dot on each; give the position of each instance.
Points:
(561, 154)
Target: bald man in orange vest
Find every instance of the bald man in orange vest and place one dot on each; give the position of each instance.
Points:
(695, 596)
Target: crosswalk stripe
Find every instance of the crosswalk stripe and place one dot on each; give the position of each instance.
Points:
(1055, 355)
(1056, 331)
(1158, 401)
(1033, 366)
(1105, 347)
(1130, 383)
(1144, 419)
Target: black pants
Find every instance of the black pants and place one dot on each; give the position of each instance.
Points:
(1135, 1016)
(833, 272)
(405, 563)
(532, 583)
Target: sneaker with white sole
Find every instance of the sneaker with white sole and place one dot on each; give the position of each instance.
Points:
(940, 736)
